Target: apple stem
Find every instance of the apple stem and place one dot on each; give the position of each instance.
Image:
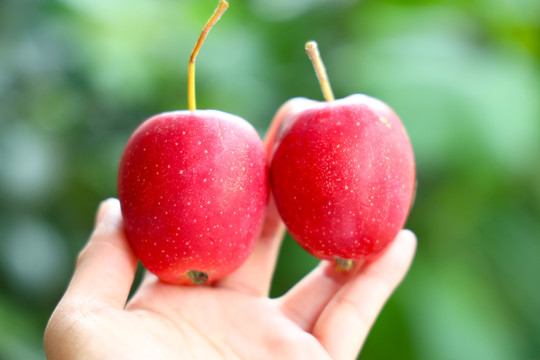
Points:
(198, 277)
(223, 5)
(343, 265)
(313, 52)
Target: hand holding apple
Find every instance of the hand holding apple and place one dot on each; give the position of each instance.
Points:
(193, 189)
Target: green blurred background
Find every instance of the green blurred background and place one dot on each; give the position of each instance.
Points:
(77, 76)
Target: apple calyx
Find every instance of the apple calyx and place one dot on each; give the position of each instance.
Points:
(198, 277)
(343, 265)
(223, 5)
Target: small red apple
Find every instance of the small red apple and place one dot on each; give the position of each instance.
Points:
(342, 173)
(193, 189)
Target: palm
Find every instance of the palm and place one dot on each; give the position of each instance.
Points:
(326, 315)
(209, 323)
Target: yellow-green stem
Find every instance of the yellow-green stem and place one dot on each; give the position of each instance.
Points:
(223, 5)
(313, 52)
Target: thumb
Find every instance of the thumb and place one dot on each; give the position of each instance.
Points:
(106, 266)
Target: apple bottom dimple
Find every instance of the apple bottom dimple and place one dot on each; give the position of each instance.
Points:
(351, 225)
(352, 231)
(360, 248)
(172, 259)
(355, 225)
(194, 233)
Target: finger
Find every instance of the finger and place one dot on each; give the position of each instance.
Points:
(255, 275)
(305, 301)
(106, 266)
(343, 325)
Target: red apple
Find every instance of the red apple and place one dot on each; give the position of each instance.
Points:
(343, 175)
(193, 188)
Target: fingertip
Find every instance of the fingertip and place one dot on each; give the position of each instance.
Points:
(407, 241)
(105, 207)
(357, 304)
(395, 262)
(109, 216)
(408, 234)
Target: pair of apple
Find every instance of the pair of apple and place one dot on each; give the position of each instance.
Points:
(194, 185)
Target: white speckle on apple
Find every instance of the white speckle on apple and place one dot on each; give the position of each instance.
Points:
(385, 122)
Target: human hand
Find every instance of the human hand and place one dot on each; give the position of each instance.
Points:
(327, 315)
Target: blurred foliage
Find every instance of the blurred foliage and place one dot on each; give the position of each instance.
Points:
(77, 76)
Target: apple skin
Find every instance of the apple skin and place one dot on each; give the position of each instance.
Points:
(193, 187)
(342, 174)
